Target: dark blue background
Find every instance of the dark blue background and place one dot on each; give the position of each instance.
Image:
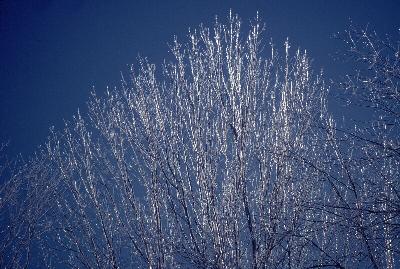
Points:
(52, 53)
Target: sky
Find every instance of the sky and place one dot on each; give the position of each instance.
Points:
(54, 52)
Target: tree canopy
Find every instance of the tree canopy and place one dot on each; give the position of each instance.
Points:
(225, 157)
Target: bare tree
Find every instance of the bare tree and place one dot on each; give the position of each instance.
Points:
(368, 155)
(227, 158)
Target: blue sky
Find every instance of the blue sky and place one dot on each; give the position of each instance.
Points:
(52, 53)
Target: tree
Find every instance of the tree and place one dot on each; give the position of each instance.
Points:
(228, 158)
(373, 155)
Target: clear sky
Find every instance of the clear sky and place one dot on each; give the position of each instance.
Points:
(53, 52)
